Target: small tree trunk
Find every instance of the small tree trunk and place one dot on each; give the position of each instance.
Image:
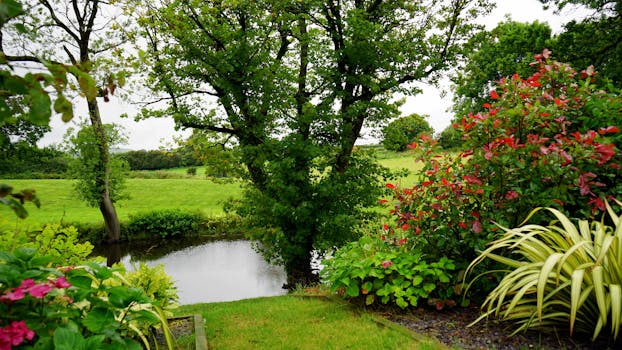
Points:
(106, 206)
(111, 220)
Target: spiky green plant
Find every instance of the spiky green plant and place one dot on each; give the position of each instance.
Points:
(559, 275)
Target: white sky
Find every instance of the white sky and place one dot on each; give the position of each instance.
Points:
(157, 132)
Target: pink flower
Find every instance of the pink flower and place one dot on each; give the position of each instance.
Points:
(387, 263)
(39, 291)
(511, 195)
(14, 334)
(27, 283)
(477, 226)
(14, 295)
(61, 282)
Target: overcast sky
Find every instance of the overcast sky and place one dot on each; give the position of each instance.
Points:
(155, 133)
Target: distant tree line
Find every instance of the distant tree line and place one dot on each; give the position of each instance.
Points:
(160, 159)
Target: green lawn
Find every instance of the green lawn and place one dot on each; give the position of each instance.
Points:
(59, 202)
(293, 322)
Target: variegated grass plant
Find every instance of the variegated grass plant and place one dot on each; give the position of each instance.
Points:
(559, 275)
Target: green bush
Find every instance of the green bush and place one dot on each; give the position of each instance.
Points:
(559, 275)
(61, 243)
(191, 171)
(387, 272)
(156, 284)
(163, 223)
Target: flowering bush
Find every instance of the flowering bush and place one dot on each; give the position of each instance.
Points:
(86, 307)
(547, 140)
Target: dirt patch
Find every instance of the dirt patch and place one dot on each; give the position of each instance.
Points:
(451, 328)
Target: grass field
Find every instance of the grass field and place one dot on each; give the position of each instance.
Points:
(192, 193)
(59, 201)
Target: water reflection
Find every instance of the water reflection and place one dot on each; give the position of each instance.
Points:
(213, 271)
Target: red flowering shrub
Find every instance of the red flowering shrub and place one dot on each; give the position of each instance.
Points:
(551, 140)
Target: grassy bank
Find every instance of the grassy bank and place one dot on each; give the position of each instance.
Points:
(292, 322)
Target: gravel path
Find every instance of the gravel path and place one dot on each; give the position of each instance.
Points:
(450, 328)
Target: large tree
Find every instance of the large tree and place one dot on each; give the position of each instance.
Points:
(295, 82)
(74, 34)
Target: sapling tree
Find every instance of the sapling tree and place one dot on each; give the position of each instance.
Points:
(83, 37)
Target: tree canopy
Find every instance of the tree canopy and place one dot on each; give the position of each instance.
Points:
(295, 82)
(405, 130)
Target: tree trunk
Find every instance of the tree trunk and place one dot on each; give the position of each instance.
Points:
(106, 206)
(298, 269)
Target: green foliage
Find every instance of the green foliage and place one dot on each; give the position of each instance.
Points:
(381, 271)
(86, 307)
(164, 223)
(559, 275)
(328, 211)
(217, 153)
(191, 171)
(404, 131)
(450, 139)
(156, 283)
(25, 162)
(594, 40)
(158, 159)
(540, 141)
(507, 49)
(92, 178)
(60, 243)
(294, 90)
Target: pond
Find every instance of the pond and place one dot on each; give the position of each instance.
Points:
(206, 271)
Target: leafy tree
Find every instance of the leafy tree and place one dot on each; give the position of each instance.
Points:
(595, 40)
(405, 130)
(450, 138)
(75, 32)
(507, 49)
(82, 145)
(217, 153)
(294, 82)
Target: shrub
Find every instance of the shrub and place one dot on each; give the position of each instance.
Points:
(163, 223)
(86, 307)
(53, 240)
(547, 140)
(156, 284)
(559, 275)
(191, 171)
(387, 272)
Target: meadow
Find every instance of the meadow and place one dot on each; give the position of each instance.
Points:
(163, 189)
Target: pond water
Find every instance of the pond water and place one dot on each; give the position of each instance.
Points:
(212, 271)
